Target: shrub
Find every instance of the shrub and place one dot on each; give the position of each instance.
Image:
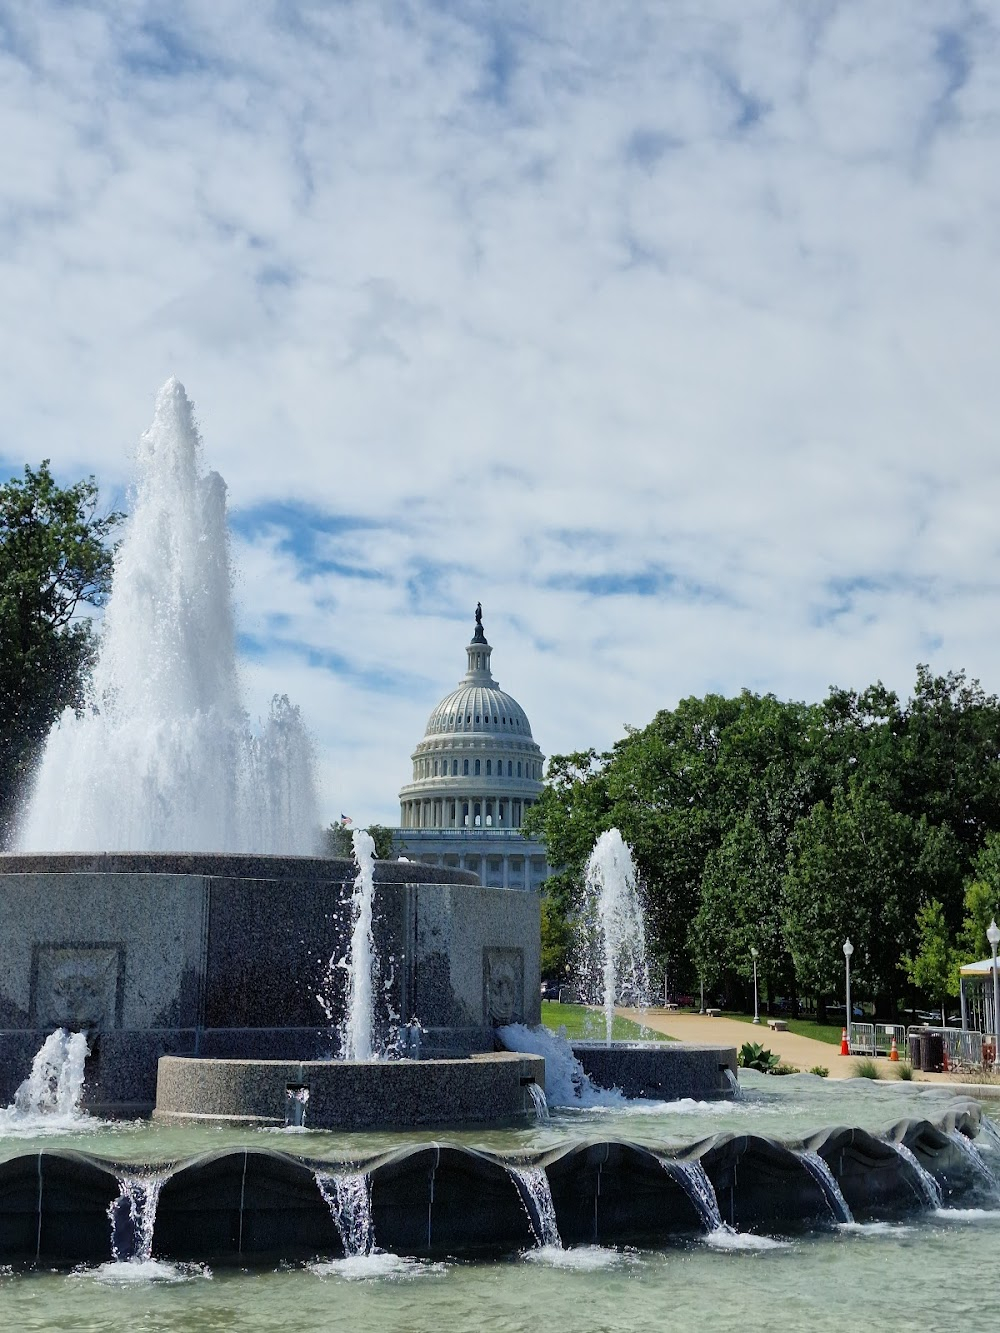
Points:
(754, 1056)
(821, 1070)
(904, 1071)
(866, 1069)
(781, 1068)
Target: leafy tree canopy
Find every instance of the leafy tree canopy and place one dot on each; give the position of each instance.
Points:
(55, 561)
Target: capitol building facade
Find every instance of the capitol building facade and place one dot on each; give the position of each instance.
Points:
(476, 773)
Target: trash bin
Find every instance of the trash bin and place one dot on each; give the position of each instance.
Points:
(932, 1052)
(914, 1043)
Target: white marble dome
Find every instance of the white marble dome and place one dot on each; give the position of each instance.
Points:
(477, 765)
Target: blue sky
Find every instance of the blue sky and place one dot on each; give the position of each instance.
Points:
(666, 330)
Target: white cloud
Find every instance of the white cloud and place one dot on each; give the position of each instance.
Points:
(714, 288)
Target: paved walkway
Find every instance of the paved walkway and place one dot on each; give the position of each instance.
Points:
(801, 1052)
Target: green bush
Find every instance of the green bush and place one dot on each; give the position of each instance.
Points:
(904, 1070)
(866, 1069)
(821, 1070)
(781, 1068)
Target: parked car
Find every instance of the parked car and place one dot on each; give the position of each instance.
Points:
(550, 990)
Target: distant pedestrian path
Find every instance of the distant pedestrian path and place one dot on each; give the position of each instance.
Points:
(802, 1053)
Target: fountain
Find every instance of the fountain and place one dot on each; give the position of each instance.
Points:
(169, 953)
(609, 946)
(165, 899)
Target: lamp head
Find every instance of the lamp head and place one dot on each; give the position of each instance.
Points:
(849, 947)
(993, 934)
(753, 951)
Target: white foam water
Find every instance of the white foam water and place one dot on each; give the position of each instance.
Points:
(581, 1258)
(377, 1267)
(163, 758)
(49, 1098)
(728, 1239)
(566, 1083)
(610, 931)
(140, 1272)
(968, 1214)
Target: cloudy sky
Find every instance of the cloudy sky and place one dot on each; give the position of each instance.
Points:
(665, 329)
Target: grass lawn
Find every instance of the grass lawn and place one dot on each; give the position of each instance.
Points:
(802, 1027)
(582, 1023)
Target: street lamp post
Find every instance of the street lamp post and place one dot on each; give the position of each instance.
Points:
(848, 950)
(756, 1012)
(993, 935)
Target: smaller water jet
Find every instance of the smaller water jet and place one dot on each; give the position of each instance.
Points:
(358, 1032)
(611, 931)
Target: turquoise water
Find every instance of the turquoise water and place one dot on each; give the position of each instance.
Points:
(936, 1271)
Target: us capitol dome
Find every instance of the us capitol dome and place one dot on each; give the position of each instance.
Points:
(476, 772)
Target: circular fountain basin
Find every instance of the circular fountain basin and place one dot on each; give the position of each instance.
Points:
(660, 1070)
(492, 1087)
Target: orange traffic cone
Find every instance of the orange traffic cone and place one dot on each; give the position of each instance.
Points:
(844, 1048)
(944, 1060)
(894, 1050)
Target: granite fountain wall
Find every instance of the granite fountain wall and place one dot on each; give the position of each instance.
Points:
(224, 956)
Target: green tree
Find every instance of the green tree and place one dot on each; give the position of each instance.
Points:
(933, 967)
(982, 905)
(338, 840)
(859, 869)
(557, 939)
(55, 561)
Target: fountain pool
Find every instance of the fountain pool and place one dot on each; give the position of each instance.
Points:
(923, 1267)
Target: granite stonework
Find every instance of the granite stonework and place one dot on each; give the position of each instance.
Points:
(660, 1070)
(349, 1094)
(225, 955)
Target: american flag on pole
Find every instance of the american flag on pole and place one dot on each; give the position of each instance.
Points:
(346, 819)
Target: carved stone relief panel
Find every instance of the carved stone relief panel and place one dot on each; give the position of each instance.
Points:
(77, 986)
(503, 985)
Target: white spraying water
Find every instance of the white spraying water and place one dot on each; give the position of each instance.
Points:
(349, 1199)
(566, 1081)
(611, 931)
(539, 1102)
(974, 1157)
(536, 1194)
(930, 1190)
(358, 1033)
(54, 1087)
(827, 1181)
(163, 757)
(694, 1180)
(133, 1216)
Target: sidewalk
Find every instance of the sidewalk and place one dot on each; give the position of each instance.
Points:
(800, 1052)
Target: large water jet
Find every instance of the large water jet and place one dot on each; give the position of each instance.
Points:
(163, 757)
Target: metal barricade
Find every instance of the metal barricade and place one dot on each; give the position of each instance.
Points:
(886, 1034)
(862, 1039)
